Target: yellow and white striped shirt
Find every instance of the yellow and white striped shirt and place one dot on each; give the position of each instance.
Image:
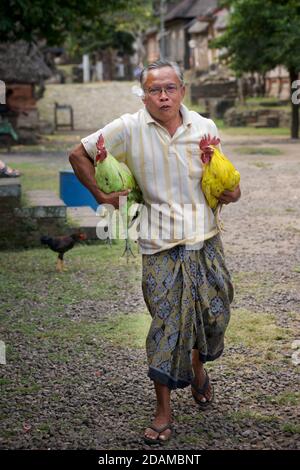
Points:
(168, 171)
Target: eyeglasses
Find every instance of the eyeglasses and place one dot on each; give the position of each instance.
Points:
(168, 89)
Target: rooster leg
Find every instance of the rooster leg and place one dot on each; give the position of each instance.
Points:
(63, 267)
(108, 241)
(59, 265)
(219, 222)
(128, 251)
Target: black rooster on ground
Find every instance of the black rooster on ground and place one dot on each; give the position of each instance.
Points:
(61, 245)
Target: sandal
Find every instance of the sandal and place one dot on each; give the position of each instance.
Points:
(150, 441)
(203, 405)
(6, 172)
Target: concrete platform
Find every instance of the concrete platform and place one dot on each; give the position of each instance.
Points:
(10, 187)
(43, 204)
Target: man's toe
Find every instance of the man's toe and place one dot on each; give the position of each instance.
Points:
(151, 434)
(164, 436)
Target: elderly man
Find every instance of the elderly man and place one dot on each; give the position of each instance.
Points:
(186, 285)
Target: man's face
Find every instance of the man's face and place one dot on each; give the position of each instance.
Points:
(163, 105)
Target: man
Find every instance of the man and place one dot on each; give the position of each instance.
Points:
(186, 285)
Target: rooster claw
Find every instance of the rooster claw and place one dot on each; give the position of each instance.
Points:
(128, 251)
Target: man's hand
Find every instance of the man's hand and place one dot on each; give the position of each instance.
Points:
(230, 196)
(113, 198)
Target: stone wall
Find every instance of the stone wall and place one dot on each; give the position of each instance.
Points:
(257, 118)
(22, 224)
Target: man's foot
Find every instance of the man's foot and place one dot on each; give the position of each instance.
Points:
(160, 430)
(202, 390)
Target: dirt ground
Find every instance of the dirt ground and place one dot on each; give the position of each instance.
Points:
(256, 382)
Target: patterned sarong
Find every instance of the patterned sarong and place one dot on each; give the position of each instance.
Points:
(188, 294)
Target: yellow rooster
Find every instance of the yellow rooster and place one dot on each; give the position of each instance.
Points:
(218, 175)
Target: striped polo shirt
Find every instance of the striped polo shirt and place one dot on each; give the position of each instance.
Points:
(168, 171)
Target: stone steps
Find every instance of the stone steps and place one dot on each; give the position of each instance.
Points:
(10, 194)
(10, 187)
(43, 204)
(42, 213)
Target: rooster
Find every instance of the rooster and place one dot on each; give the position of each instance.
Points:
(219, 174)
(61, 245)
(113, 176)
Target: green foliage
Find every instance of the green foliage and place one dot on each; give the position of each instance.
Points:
(261, 35)
(84, 25)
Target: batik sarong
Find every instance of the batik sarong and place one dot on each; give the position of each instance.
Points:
(188, 294)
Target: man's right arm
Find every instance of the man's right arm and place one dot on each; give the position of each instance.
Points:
(84, 169)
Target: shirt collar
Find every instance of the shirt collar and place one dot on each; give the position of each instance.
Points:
(186, 118)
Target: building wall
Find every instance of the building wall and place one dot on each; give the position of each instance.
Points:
(278, 83)
(152, 48)
(200, 58)
(175, 44)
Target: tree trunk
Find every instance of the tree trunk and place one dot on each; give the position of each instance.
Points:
(263, 86)
(295, 108)
(241, 90)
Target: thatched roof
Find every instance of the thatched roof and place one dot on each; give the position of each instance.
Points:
(21, 62)
(197, 27)
(187, 9)
(222, 19)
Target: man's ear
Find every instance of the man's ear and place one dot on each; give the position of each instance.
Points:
(183, 91)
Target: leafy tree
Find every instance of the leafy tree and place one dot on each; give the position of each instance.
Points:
(53, 19)
(117, 28)
(261, 35)
(86, 24)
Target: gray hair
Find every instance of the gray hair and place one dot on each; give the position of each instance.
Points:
(159, 64)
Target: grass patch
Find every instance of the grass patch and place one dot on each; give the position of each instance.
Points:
(257, 331)
(252, 131)
(125, 331)
(258, 151)
(291, 428)
(290, 210)
(95, 272)
(286, 398)
(4, 381)
(195, 439)
(35, 176)
(239, 416)
(259, 164)
(44, 428)
(51, 309)
(26, 390)
(130, 330)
